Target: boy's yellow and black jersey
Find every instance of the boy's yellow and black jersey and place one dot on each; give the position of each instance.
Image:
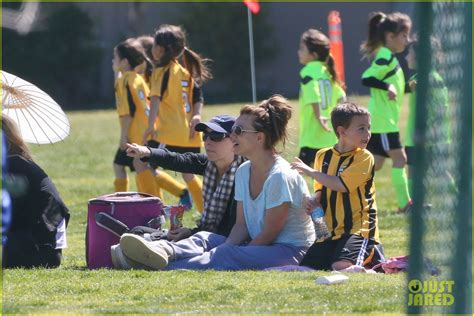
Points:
(132, 98)
(355, 211)
(176, 105)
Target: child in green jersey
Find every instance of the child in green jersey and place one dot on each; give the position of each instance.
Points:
(388, 35)
(437, 107)
(320, 91)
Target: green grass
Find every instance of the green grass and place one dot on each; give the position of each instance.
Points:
(81, 168)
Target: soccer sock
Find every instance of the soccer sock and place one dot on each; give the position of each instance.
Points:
(121, 184)
(195, 189)
(146, 182)
(400, 183)
(168, 183)
(410, 186)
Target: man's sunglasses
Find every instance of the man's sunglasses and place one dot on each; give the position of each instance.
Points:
(214, 136)
(238, 130)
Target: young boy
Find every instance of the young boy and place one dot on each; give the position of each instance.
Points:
(344, 187)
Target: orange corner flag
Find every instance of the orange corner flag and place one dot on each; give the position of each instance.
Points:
(337, 48)
(253, 5)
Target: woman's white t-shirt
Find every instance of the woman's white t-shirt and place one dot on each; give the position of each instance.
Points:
(282, 185)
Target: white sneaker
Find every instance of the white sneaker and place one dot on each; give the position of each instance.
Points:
(138, 249)
(122, 262)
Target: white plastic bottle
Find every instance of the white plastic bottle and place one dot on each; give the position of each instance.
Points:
(320, 226)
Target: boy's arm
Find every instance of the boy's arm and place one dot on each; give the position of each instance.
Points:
(154, 110)
(125, 122)
(332, 182)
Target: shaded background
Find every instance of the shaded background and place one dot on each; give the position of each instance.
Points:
(68, 53)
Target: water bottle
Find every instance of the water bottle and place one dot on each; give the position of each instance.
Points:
(322, 231)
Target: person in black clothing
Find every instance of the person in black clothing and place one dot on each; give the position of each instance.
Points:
(218, 167)
(39, 216)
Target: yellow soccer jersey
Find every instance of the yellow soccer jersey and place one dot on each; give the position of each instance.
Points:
(132, 93)
(176, 106)
(355, 211)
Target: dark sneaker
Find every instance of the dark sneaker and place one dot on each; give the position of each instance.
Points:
(185, 199)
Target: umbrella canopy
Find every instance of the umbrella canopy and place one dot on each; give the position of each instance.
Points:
(39, 118)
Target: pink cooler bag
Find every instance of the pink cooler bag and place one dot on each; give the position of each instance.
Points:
(131, 208)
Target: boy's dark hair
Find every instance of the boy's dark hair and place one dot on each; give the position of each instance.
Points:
(343, 113)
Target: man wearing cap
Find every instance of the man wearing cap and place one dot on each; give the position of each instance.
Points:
(218, 167)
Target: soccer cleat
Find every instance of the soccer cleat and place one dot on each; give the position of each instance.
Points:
(138, 249)
(185, 199)
(406, 208)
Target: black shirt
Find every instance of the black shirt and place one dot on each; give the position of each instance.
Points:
(195, 164)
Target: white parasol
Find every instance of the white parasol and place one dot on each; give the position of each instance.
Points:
(39, 118)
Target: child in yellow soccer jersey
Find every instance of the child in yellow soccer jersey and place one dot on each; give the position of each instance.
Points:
(132, 107)
(163, 180)
(176, 99)
(319, 94)
(344, 186)
(132, 94)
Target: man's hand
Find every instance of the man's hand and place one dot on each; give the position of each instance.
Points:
(137, 151)
(180, 233)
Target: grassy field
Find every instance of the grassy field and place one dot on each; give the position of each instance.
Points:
(81, 168)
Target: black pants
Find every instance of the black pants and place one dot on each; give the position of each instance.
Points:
(22, 251)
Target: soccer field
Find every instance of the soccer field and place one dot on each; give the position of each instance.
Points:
(81, 168)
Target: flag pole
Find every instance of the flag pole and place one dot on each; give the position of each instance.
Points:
(252, 57)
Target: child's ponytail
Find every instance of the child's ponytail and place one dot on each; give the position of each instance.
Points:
(375, 38)
(379, 24)
(196, 65)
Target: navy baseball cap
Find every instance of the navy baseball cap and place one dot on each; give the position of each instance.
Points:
(219, 123)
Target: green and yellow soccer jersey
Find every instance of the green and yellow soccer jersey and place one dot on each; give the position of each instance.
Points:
(437, 109)
(176, 106)
(316, 86)
(131, 92)
(385, 113)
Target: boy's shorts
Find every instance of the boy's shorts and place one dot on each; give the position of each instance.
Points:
(307, 155)
(122, 159)
(410, 152)
(354, 248)
(381, 144)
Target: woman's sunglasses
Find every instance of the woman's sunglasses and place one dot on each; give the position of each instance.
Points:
(214, 136)
(238, 130)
